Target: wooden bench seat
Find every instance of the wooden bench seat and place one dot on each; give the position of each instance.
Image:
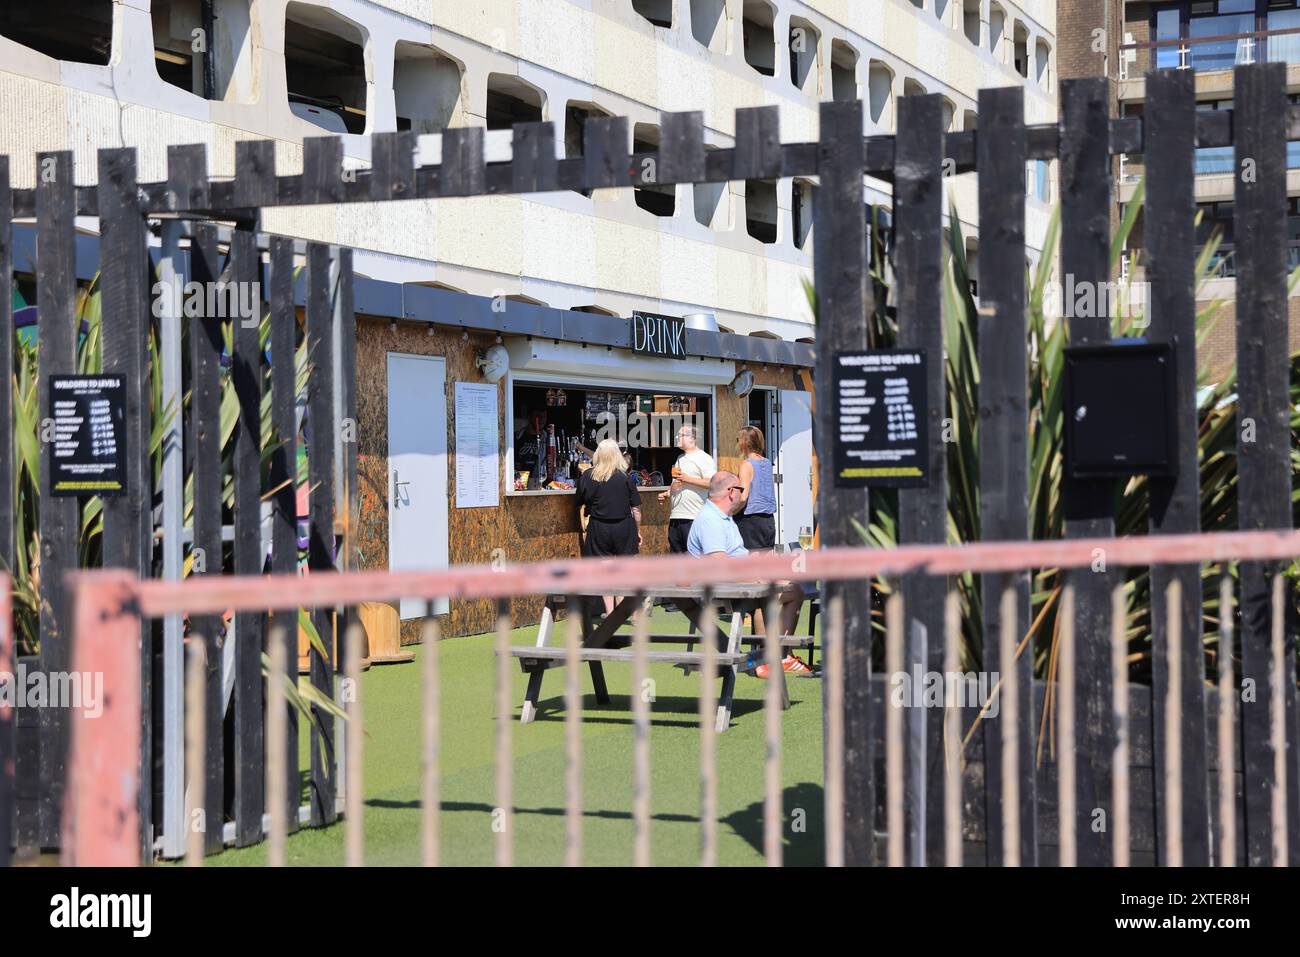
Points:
(531, 655)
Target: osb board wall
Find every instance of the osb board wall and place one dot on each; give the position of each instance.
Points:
(733, 413)
(526, 528)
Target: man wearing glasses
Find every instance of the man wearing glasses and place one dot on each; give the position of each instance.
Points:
(714, 532)
(691, 475)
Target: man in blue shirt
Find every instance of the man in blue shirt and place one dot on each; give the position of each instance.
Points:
(714, 532)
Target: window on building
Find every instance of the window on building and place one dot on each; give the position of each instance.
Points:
(757, 29)
(880, 90)
(712, 203)
(969, 120)
(510, 100)
(761, 209)
(224, 66)
(949, 110)
(644, 422)
(1042, 59)
(1021, 49)
(970, 20)
(657, 200)
(428, 87)
(1212, 160)
(658, 12)
(802, 194)
(1036, 180)
(844, 72)
(709, 24)
(576, 115)
(325, 68)
(973, 265)
(805, 41)
(997, 30)
(941, 10)
(913, 87)
(919, 4)
(79, 31)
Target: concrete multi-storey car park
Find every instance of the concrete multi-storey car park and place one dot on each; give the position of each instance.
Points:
(1208, 37)
(95, 73)
(85, 75)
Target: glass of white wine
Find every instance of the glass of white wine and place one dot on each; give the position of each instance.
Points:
(805, 537)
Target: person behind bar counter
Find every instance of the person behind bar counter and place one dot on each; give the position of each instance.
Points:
(756, 513)
(612, 505)
(530, 447)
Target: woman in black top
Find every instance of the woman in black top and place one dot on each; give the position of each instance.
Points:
(612, 505)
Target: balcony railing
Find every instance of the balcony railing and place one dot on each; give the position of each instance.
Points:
(1221, 52)
(1223, 262)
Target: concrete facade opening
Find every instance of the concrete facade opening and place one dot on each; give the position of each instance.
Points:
(658, 12)
(72, 30)
(844, 71)
(761, 210)
(997, 30)
(428, 89)
(510, 100)
(757, 29)
(657, 200)
(880, 92)
(802, 193)
(970, 20)
(576, 115)
(710, 24)
(209, 56)
(1021, 49)
(325, 68)
(805, 55)
(712, 203)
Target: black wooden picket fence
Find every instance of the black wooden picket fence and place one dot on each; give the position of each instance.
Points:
(1083, 141)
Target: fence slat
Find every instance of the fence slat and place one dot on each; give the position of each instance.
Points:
(572, 739)
(320, 467)
(196, 748)
(503, 824)
(353, 786)
(923, 512)
(532, 159)
(773, 803)
(205, 444)
(254, 182)
(1003, 445)
(431, 782)
(758, 144)
(8, 757)
(277, 784)
(1170, 257)
(1263, 417)
(844, 298)
(1119, 680)
(128, 518)
(1089, 505)
(604, 151)
(708, 717)
(322, 169)
(187, 177)
(952, 749)
(283, 478)
(1227, 737)
(681, 148)
(55, 304)
(462, 170)
(392, 165)
(249, 559)
(641, 737)
(894, 756)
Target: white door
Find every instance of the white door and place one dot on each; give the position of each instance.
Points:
(417, 469)
(794, 504)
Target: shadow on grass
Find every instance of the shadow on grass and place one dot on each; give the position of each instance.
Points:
(802, 825)
(619, 710)
(482, 808)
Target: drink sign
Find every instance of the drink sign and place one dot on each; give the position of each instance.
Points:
(88, 451)
(655, 335)
(880, 419)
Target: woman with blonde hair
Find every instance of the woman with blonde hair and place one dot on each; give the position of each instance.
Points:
(612, 504)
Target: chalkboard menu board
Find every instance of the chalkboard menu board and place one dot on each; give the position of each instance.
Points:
(880, 419)
(88, 450)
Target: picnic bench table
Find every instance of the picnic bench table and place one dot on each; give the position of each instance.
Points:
(604, 642)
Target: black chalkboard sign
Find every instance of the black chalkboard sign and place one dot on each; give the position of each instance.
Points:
(656, 335)
(88, 445)
(880, 419)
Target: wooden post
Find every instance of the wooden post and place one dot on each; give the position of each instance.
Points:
(430, 787)
(128, 518)
(249, 559)
(894, 712)
(7, 674)
(354, 783)
(284, 478)
(101, 816)
(1263, 424)
(1066, 740)
(1176, 503)
(1227, 736)
(923, 512)
(641, 736)
(708, 732)
(843, 303)
(1119, 678)
(59, 517)
(572, 739)
(952, 750)
(503, 814)
(773, 796)
(1003, 438)
(321, 427)
(277, 801)
(205, 440)
(1089, 505)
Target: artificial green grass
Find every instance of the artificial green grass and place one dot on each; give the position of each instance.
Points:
(392, 718)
